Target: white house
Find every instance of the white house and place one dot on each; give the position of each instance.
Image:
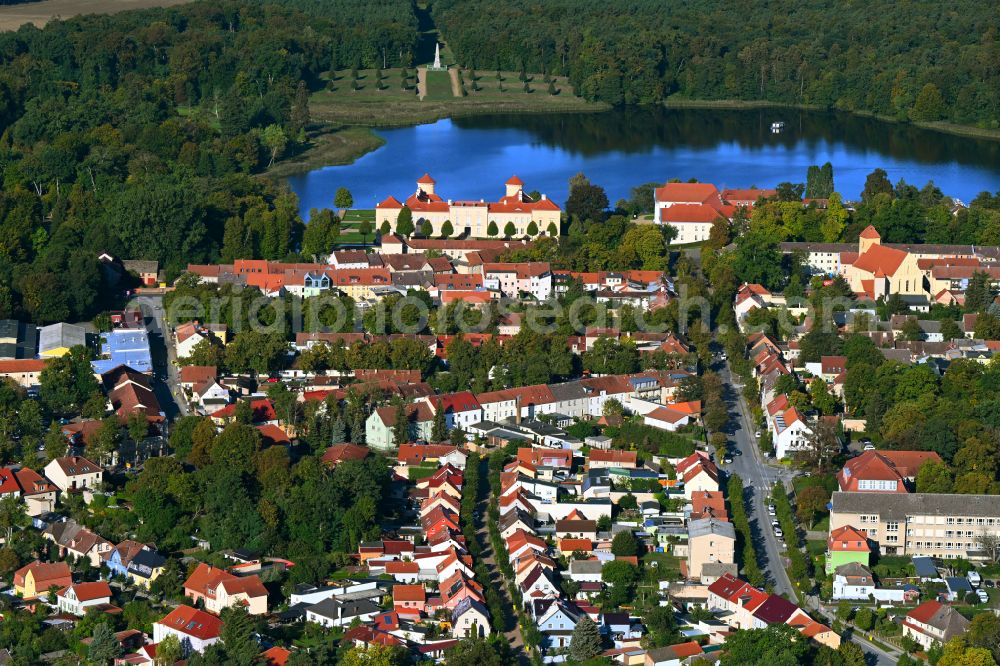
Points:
(186, 338)
(665, 418)
(74, 473)
(470, 619)
(335, 612)
(792, 433)
(690, 208)
(78, 597)
(511, 280)
(195, 629)
(854, 581)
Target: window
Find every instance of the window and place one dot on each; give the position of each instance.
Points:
(949, 521)
(892, 526)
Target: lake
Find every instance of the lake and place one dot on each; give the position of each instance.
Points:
(470, 158)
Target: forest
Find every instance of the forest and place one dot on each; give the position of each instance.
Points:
(139, 134)
(922, 60)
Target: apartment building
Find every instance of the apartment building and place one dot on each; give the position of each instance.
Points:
(943, 526)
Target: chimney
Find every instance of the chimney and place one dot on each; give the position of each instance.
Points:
(544, 197)
(517, 410)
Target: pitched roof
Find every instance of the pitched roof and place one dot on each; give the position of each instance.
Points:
(43, 572)
(409, 593)
(276, 656)
(192, 622)
(869, 232)
(688, 192)
(880, 259)
(88, 591)
(848, 539)
(613, 456)
(339, 453)
(77, 465)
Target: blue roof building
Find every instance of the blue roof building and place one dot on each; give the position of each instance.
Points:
(124, 347)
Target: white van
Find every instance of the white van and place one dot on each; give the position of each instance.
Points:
(974, 578)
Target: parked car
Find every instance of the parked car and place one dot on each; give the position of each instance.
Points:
(757, 434)
(727, 460)
(974, 578)
(771, 510)
(988, 583)
(983, 596)
(869, 447)
(775, 524)
(737, 452)
(778, 533)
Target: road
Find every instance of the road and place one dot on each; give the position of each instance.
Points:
(513, 636)
(758, 478)
(168, 392)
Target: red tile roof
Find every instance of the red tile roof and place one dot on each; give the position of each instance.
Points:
(13, 366)
(879, 259)
(685, 213)
(339, 453)
(409, 593)
(426, 179)
(276, 656)
(689, 193)
(848, 539)
(869, 232)
(193, 622)
(88, 591)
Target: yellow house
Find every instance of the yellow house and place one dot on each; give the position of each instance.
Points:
(38, 578)
(56, 340)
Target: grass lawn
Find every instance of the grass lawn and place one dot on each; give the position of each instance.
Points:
(816, 546)
(667, 567)
(421, 472)
(439, 85)
(370, 107)
(359, 215)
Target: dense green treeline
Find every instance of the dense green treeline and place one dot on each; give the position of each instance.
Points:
(923, 61)
(139, 134)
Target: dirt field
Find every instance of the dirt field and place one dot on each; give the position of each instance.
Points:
(13, 17)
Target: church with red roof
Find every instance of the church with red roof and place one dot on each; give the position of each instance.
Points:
(525, 215)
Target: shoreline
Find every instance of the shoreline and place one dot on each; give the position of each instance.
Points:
(941, 126)
(344, 138)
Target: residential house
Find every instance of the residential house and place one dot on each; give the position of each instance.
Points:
(73, 539)
(337, 612)
(187, 336)
(339, 453)
(586, 571)
(933, 622)
(556, 620)
(195, 629)
(673, 655)
(606, 459)
(666, 418)
(855, 581)
(38, 578)
(130, 392)
(698, 473)
(78, 597)
(217, 589)
(71, 473)
(25, 372)
(846, 545)
(409, 599)
(460, 409)
(37, 493)
(470, 619)
(379, 427)
(516, 279)
(709, 540)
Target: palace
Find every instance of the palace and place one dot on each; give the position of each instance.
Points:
(473, 218)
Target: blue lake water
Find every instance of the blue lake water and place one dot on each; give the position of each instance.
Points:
(472, 157)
